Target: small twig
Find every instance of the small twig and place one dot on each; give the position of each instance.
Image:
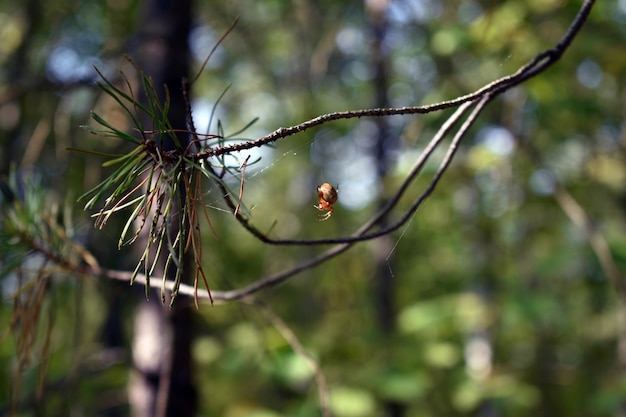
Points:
(598, 243)
(218, 43)
(579, 217)
(293, 341)
(243, 178)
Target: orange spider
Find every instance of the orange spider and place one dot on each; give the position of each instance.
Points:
(328, 196)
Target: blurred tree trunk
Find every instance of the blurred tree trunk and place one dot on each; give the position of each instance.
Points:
(386, 144)
(162, 382)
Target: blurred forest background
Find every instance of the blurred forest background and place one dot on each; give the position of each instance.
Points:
(500, 297)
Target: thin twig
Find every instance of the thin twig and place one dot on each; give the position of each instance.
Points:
(243, 179)
(579, 217)
(218, 43)
(293, 341)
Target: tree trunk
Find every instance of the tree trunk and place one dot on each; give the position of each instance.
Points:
(384, 285)
(161, 384)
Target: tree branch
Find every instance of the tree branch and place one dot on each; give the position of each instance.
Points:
(535, 66)
(538, 64)
(478, 99)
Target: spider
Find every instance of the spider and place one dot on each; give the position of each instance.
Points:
(328, 196)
